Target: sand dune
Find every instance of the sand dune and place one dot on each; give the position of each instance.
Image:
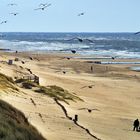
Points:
(115, 93)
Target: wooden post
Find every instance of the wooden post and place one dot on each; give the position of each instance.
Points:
(76, 118)
(10, 62)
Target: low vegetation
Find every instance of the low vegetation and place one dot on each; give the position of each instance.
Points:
(58, 93)
(51, 91)
(14, 125)
(7, 83)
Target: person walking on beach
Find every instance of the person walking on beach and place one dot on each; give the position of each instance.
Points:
(136, 125)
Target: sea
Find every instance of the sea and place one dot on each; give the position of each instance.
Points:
(123, 45)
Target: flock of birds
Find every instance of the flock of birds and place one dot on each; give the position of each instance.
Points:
(44, 6)
(41, 6)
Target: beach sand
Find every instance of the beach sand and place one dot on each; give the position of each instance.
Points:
(112, 90)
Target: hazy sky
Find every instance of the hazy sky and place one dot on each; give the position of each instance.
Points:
(61, 16)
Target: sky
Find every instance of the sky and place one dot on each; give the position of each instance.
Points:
(61, 16)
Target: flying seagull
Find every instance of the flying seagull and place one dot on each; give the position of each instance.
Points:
(137, 33)
(73, 51)
(43, 4)
(89, 110)
(12, 4)
(90, 86)
(5, 21)
(81, 40)
(81, 14)
(14, 14)
(44, 7)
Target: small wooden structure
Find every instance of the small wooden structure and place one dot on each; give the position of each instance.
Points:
(16, 59)
(36, 79)
(10, 62)
(33, 78)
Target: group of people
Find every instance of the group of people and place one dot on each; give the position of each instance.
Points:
(136, 125)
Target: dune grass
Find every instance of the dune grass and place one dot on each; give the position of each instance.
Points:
(58, 93)
(14, 125)
(7, 83)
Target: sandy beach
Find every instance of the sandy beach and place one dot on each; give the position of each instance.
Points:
(111, 90)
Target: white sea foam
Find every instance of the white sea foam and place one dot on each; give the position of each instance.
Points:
(83, 49)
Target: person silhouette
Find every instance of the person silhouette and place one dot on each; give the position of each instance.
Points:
(136, 125)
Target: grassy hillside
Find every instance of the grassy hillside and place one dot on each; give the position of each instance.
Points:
(14, 125)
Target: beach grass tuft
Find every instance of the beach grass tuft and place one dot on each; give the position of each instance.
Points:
(58, 93)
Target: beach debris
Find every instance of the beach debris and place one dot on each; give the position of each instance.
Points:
(30, 58)
(89, 110)
(22, 62)
(43, 7)
(26, 85)
(64, 72)
(91, 68)
(40, 115)
(29, 70)
(81, 14)
(21, 67)
(33, 101)
(14, 14)
(10, 62)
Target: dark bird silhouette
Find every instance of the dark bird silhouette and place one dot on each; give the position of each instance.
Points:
(81, 14)
(14, 14)
(5, 21)
(43, 4)
(113, 57)
(81, 40)
(73, 51)
(90, 86)
(43, 7)
(89, 110)
(12, 4)
(137, 33)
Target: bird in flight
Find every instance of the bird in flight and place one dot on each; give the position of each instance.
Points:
(73, 51)
(12, 4)
(80, 39)
(43, 7)
(137, 33)
(14, 14)
(81, 14)
(43, 4)
(90, 86)
(5, 21)
(89, 110)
